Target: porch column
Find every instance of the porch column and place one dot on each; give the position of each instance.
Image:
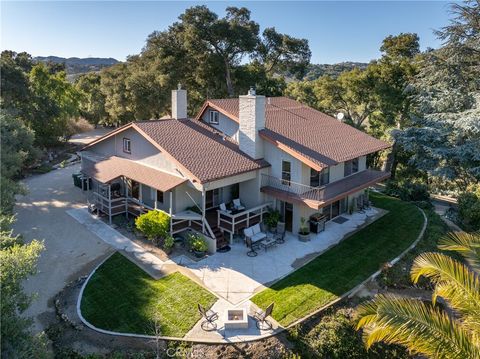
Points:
(170, 211)
(203, 209)
(109, 204)
(125, 184)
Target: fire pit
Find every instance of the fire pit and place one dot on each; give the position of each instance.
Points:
(236, 318)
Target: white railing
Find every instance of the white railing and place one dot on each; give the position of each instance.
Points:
(297, 189)
(232, 223)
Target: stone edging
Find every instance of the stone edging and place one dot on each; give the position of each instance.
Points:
(350, 293)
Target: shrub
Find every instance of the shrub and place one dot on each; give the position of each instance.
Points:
(334, 336)
(77, 125)
(408, 191)
(168, 242)
(272, 218)
(153, 224)
(197, 242)
(469, 211)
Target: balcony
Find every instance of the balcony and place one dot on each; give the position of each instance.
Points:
(317, 197)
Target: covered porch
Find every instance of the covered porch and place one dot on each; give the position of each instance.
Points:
(121, 186)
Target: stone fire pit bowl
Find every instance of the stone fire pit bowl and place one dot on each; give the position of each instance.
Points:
(236, 319)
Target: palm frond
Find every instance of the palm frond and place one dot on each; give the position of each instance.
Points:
(454, 282)
(466, 244)
(421, 327)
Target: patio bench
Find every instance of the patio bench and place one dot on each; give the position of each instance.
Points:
(254, 233)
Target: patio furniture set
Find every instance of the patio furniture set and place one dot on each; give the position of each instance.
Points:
(236, 318)
(236, 207)
(256, 239)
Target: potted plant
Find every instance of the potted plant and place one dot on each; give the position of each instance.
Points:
(304, 231)
(271, 220)
(198, 245)
(168, 243)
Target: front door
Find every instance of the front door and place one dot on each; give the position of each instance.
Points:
(288, 215)
(335, 209)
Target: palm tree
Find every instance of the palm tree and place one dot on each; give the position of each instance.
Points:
(448, 330)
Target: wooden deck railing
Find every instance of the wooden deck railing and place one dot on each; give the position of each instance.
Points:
(233, 223)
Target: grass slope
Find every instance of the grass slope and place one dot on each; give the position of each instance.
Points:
(121, 297)
(344, 266)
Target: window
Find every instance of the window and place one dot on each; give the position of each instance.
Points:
(127, 148)
(321, 178)
(286, 173)
(159, 196)
(214, 117)
(325, 176)
(355, 165)
(350, 167)
(314, 178)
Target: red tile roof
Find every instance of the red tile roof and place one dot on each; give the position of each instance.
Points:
(317, 137)
(199, 148)
(113, 167)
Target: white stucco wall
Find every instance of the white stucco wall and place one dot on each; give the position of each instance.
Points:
(225, 125)
(141, 151)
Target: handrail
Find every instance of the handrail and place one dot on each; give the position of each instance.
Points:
(245, 211)
(209, 229)
(195, 203)
(298, 189)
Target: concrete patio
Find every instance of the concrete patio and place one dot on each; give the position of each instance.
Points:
(236, 277)
(233, 276)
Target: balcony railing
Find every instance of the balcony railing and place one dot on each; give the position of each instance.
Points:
(297, 189)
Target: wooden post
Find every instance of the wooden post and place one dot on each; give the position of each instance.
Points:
(109, 204)
(171, 211)
(203, 209)
(125, 183)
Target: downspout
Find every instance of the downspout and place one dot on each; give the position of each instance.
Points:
(203, 209)
(170, 211)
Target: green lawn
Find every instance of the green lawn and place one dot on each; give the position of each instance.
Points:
(121, 297)
(344, 266)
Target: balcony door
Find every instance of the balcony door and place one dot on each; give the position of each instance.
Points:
(213, 198)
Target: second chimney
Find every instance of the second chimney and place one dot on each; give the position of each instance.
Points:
(252, 119)
(179, 103)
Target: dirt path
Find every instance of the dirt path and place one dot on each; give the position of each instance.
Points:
(70, 249)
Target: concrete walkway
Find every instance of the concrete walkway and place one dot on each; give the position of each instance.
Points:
(146, 260)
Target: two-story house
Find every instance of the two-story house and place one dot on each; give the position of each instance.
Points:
(267, 152)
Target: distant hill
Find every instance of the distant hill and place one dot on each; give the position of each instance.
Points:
(76, 66)
(317, 70)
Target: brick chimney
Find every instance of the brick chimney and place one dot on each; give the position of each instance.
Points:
(179, 103)
(252, 119)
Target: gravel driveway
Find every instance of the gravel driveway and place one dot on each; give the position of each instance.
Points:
(70, 249)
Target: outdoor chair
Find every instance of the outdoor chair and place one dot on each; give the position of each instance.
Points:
(238, 205)
(280, 234)
(223, 208)
(209, 317)
(253, 247)
(261, 318)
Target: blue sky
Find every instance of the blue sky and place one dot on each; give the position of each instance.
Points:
(337, 31)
